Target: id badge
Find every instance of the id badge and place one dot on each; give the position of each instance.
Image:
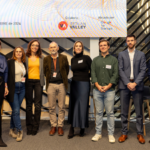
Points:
(80, 61)
(108, 66)
(23, 79)
(54, 74)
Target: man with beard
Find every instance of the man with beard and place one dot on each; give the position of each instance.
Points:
(56, 69)
(132, 68)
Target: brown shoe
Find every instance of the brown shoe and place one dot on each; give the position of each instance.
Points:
(60, 131)
(141, 139)
(122, 138)
(52, 131)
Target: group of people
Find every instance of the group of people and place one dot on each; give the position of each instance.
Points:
(26, 72)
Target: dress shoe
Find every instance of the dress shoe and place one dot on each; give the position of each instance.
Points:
(141, 139)
(2, 144)
(96, 137)
(52, 131)
(60, 131)
(71, 133)
(122, 138)
(82, 132)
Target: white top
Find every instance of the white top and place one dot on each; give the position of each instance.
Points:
(20, 71)
(131, 56)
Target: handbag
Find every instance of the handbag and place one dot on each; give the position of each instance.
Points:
(1, 80)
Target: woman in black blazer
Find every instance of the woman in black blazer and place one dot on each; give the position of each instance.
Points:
(16, 86)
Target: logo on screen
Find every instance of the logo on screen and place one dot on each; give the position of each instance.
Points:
(63, 25)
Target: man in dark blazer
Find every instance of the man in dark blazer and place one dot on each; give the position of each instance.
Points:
(56, 69)
(132, 68)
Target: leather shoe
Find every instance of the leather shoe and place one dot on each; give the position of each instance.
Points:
(2, 144)
(141, 139)
(60, 131)
(52, 131)
(122, 138)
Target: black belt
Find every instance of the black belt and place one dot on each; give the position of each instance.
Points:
(131, 80)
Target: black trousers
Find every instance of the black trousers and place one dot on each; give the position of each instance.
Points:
(33, 121)
(1, 102)
(138, 101)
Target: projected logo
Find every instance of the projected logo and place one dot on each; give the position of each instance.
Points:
(106, 22)
(63, 25)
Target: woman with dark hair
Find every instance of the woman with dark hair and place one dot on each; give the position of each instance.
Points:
(16, 86)
(3, 89)
(79, 90)
(34, 82)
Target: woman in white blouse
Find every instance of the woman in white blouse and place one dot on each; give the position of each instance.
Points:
(16, 86)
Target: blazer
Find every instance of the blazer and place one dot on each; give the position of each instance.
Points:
(42, 81)
(3, 67)
(64, 69)
(139, 69)
(11, 79)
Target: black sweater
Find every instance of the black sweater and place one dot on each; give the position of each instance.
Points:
(81, 67)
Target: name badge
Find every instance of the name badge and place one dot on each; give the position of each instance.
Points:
(108, 66)
(54, 74)
(80, 61)
(23, 79)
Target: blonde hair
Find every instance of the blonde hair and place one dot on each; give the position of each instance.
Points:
(75, 45)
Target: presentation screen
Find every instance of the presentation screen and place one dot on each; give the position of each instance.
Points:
(63, 18)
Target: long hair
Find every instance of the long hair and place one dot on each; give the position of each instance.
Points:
(39, 51)
(23, 58)
(75, 45)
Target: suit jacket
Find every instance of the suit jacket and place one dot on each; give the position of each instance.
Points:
(64, 69)
(42, 81)
(139, 69)
(11, 79)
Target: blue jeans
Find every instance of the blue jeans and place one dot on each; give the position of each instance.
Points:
(104, 99)
(15, 105)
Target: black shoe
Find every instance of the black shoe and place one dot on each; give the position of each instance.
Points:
(71, 133)
(29, 132)
(2, 144)
(34, 133)
(82, 132)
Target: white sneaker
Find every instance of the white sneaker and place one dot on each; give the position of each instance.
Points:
(96, 137)
(111, 138)
(12, 133)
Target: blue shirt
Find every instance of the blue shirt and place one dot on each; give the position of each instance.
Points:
(3, 68)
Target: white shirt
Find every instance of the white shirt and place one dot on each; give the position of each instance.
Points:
(131, 56)
(19, 71)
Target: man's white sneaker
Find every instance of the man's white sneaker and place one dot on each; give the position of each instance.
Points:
(111, 138)
(96, 137)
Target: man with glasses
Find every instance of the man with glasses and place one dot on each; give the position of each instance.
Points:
(132, 67)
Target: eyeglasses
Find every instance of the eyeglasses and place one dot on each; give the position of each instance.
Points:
(35, 45)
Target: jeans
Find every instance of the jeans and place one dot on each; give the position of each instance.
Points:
(15, 105)
(33, 121)
(104, 99)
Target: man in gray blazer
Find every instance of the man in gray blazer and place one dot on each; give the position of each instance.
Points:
(132, 68)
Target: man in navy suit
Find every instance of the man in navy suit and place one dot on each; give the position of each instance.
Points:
(132, 68)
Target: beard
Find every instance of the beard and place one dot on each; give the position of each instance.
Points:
(54, 52)
(131, 46)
